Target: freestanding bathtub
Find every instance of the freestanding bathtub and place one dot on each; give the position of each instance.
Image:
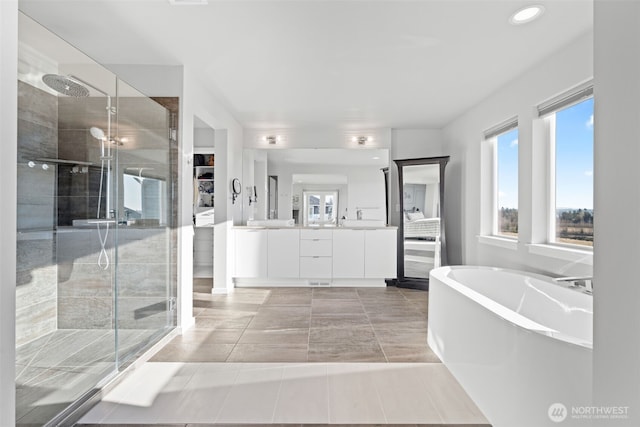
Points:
(517, 342)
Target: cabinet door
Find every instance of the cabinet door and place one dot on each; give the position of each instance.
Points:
(315, 267)
(348, 254)
(251, 253)
(380, 253)
(283, 257)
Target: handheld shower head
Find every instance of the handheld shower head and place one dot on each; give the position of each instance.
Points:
(97, 133)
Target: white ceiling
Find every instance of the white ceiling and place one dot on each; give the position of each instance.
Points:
(347, 64)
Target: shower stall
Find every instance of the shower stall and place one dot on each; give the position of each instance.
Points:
(96, 260)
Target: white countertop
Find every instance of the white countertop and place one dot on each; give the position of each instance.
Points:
(300, 227)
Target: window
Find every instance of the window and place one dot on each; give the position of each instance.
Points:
(503, 147)
(572, 195)
(507, 183)
(320, 207)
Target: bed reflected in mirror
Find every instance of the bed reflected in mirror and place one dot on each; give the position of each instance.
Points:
(421, 210)
(421, 242)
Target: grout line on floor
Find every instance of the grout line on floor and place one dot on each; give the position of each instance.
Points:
(275, 405)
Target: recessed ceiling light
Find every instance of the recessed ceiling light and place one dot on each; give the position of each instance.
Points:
(188, 2)
(376, 158)
(526, 14)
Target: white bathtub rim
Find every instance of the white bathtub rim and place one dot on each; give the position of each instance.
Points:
(501, 311)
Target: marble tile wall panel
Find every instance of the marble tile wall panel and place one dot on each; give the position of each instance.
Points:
(77, 144)
(142, 313)
(36, 271)
(85, 312)
(35, 320)
(85, 290)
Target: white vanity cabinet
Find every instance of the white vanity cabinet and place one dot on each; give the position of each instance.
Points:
(380, 256)
(348, 253)
(283, 254)
(316, 252)
(304, 256)
(251, 253)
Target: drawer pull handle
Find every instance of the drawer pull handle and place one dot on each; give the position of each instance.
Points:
(316, 257)
(316, 240)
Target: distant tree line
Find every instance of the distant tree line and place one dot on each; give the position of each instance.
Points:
(571, 224)
(577, 216)
(509, 220)
(575, 224)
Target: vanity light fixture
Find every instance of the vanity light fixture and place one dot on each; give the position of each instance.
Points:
(271, 139)
(361, 140)
(526, 14)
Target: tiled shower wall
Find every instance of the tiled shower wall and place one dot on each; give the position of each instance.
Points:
(145, 264)
(36, 292)
(60, 285)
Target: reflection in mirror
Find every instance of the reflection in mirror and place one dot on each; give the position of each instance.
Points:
(421, 197)
(421, 241)
(273, 197)
(143, 197)
(316, 186)
(320, 207)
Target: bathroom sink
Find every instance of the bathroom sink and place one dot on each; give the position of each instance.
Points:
(363, 223)
(270, 223)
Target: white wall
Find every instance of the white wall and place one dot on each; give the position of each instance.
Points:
(8, 194)
(204, 138)
(568, 67)
(199, 102)
(617, 203)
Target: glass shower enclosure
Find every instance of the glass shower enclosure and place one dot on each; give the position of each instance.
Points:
(96, 269)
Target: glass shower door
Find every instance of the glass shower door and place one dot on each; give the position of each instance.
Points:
(146, 275)
(95, 258)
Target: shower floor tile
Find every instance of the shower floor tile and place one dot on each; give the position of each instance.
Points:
(56, 369)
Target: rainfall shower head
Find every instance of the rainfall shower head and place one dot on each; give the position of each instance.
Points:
(97, 133)
(65, 85)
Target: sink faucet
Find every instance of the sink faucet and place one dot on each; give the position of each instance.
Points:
(577, 282)
(359, 214)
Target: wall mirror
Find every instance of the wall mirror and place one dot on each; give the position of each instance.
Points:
(272, 199)
(421, 236)
(316, 187)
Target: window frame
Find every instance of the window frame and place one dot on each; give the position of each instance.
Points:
(546, 112)
(491, 142)
(322, 193)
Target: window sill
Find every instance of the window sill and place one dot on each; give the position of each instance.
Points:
(562, 252)
(502, 242)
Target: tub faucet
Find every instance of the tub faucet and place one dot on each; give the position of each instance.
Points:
(577, 282)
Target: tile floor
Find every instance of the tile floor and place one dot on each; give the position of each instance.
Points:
(172, 393)
(246, 362)
(304, 325)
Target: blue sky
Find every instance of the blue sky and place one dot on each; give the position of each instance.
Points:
(508, 169)
(574, 160)
(574, 156)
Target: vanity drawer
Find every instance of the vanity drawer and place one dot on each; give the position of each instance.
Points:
(316, 247)
(315, 267)
(310, 234)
